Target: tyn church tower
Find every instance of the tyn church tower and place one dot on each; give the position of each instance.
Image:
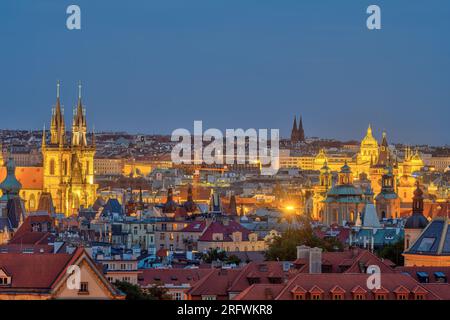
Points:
(69, 165)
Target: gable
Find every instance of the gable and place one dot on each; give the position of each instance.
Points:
(98, 286)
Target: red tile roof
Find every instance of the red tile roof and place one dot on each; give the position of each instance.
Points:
(348, 282)
(37, 271)
(215, 283)
(196, 226)
(226, 230)
(26, 235)
(348, 261)
(171, 276)
(29, 177)
(412, 271)
(265, 272)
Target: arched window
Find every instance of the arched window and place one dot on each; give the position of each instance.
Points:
(52, 167)
(87, 167)
(336, 216)
(65, 167)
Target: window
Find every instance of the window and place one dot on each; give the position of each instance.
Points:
(4, 281)
(84, 288)
(177, 296)
(426, 244)
(402, 296)
(338, 296)
(420, 296)
(316, 296)
(52, 167)
(299, 296)
(208, 297)
(358, 296)
(380, 296)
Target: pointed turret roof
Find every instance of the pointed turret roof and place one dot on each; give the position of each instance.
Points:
(79, 118)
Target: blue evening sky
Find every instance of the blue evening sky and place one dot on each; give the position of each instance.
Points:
(156, 65)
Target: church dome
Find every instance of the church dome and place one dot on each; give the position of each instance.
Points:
(369, 140)
(416, 221)
(10, 185)
(344, 190)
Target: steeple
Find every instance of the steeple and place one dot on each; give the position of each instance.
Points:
(294, 131)
(43, 139)
(79, 123)
(93, 136)
(387, 181)
(301, 132)
(417, 220)
(57, 128)
(383, 154)
(325, 176)
(345, 175)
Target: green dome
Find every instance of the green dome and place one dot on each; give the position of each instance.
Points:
(10, 186)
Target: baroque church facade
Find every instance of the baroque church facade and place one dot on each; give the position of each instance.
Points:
(68, 164)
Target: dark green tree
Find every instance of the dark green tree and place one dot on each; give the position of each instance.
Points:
(284, 247)
(214, 255)
(233, 259)
(134, 292)
(393, 252)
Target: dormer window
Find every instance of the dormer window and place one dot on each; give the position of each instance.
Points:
(5, 278)
(402, 293)
(299, 296)
(359, 293)
(253, 280)
(5, 281)
(420, 296)
(402, 296)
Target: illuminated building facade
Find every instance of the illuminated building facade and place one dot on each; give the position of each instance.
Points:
(69, 167)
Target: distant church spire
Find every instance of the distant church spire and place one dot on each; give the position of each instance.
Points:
(301, 132)
(297, 133)
(294, 131)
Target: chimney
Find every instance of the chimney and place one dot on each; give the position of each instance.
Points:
(315, 260)
(303, 252)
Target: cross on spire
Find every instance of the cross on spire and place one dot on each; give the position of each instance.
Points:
(57, 89)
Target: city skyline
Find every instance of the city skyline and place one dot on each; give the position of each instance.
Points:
(174, 63)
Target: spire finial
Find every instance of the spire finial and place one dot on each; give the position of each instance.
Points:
(369, 130)
(79, 89)
(57, 89)
(43, 137)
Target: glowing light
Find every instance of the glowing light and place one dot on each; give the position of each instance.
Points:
(290, 208)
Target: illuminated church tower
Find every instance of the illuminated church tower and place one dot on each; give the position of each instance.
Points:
(69, 167)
